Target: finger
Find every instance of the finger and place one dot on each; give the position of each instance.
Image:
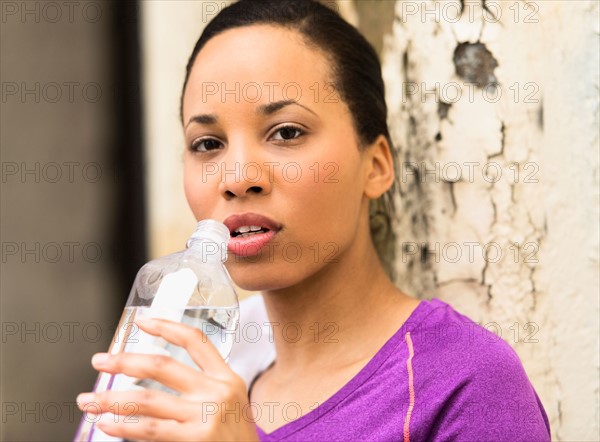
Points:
(166, 370)
(197, 344)
(145, 428)
(143, 402)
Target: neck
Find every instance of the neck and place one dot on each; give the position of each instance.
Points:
(346, 301)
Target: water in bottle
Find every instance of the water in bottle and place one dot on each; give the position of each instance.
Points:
(192, 287)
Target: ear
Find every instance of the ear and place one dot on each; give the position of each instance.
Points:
(379, 164)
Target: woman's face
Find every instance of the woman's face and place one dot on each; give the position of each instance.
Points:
(266, 134)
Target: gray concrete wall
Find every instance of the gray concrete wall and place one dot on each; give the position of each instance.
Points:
(60, 294)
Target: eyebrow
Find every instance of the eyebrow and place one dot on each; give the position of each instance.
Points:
(271, 108)
(207, 119)
(264, 110)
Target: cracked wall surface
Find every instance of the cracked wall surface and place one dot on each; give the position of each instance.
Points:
(493, 109)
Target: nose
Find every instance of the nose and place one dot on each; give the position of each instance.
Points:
(244, 173)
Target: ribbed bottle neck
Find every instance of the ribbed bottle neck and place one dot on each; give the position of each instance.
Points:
(210, 238)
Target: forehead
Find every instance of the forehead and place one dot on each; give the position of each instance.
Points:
(274, 58)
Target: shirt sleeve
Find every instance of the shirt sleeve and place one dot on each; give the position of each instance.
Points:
(496, 402)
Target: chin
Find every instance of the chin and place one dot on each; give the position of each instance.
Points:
(252, 283)
(258, 277)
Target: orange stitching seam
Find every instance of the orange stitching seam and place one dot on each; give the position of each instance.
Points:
(411, 387)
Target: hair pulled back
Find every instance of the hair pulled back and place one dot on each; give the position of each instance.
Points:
(356, 72)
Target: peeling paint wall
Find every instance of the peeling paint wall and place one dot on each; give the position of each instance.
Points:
(494, 115)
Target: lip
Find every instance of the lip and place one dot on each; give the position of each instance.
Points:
(251, 245)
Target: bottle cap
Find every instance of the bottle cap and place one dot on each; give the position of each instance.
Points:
(212, 231)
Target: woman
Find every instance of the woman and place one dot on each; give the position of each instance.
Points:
(285, 125)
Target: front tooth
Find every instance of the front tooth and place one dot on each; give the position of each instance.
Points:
(243, 229)
(255, 228)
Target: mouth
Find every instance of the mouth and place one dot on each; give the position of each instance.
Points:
(246, 231)
(250, 232)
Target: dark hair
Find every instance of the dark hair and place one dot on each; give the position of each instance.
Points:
(356, 77)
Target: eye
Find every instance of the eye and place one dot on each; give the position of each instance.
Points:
(205, 145)
(287, 133)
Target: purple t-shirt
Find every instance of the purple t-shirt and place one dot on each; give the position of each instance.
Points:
(440, 377)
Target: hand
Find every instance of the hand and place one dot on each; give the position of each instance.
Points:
(213, 404)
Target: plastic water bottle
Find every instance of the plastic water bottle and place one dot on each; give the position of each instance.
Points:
(192, 287)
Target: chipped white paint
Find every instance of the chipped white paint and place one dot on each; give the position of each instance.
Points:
(541, 134)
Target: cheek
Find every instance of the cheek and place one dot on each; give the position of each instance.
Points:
(328, 198)
(197, 191)
(188, 189)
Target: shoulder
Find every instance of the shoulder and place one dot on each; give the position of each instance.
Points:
(473, 381)
(441, 332)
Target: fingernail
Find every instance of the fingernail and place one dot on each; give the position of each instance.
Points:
(107, 419)
(100, 359)
(91, 416)
(85, 398)
(146, 323)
